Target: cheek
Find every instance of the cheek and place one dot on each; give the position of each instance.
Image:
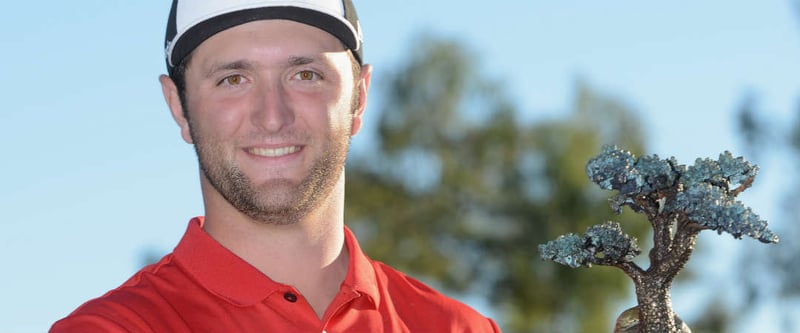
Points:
(320, 113)
(216, 119)
(341, 119)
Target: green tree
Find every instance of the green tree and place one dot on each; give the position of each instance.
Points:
(459, 191)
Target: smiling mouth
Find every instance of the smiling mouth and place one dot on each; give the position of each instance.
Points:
(274, 152)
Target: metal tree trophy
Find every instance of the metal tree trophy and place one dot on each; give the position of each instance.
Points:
(679, 202)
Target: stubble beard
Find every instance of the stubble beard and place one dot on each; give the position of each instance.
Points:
(279, 201)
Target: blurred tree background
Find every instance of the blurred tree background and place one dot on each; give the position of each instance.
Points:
(767, 137)
(460, 190)
(773, 276)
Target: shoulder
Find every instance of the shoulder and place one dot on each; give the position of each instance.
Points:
(116, 311)
(130, 307)
(426, 308)
(100, 316)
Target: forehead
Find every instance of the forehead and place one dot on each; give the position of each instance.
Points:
(269, 40)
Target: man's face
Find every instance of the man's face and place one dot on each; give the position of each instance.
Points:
(271, 109)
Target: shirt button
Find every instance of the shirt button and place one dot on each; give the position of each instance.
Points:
(290, 297)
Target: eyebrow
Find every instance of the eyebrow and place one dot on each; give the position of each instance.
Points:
(249, 65)
(298, 61)
(234, 65)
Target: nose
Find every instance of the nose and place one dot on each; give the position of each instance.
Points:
(271, 111)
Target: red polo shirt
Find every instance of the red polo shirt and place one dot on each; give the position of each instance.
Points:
(203, 287)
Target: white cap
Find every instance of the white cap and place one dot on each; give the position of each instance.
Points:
(193, 21)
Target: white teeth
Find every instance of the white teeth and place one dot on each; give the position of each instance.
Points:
(276, 152)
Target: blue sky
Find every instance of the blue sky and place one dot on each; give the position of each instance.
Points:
(95, 172)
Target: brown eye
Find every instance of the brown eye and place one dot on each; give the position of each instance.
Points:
(306, 75)
(233, 80)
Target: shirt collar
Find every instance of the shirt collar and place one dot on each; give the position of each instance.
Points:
(228, 276)
(360, 273)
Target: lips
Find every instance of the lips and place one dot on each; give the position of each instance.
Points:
(274, 152)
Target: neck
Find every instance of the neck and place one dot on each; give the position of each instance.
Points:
(313, 247)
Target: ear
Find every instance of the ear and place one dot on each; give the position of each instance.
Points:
(175, 107)
(363, 90)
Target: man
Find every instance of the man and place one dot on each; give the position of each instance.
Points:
(269, 93)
